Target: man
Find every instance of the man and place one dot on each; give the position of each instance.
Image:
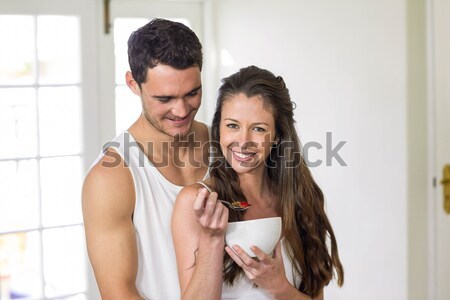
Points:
(128, 194)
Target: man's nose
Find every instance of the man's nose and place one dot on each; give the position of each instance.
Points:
(180, 108)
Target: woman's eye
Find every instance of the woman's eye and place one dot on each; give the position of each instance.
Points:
(234, 126)
(259, 129)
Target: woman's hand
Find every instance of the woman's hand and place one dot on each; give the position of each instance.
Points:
(267, 272)
(210, 213)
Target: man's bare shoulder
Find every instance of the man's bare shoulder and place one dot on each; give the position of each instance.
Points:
(110, 169)
(109, 184)
(201, 131)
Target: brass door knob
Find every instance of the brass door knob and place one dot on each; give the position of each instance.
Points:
(446, 187)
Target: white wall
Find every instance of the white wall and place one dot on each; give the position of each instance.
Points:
(345, 65)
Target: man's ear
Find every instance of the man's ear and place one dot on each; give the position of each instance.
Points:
(132, 84)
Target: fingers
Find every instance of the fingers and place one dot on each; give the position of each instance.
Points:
(210, 207)
(263, 257)
(224, 216)
(210, 212)
(265, 271)
(235, 257)
(277, 254)
(199, 202)
(216, 213)
(245, 258)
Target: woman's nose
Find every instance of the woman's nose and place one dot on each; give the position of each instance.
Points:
(244, 138)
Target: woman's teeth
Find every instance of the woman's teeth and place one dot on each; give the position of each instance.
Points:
(242, 155)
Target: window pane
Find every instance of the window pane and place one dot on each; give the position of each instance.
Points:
(59, 120)
(123, 27)
(128, 108)
(63, 261)
(61, 191)
(18, 123)
(20, 275)
(18, 49)
(19, 195)
(58, 39)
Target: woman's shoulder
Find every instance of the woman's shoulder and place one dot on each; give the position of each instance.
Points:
(190, 192)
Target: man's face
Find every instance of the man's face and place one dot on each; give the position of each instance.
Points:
(170, 98)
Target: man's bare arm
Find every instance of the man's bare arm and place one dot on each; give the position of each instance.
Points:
(108, 203)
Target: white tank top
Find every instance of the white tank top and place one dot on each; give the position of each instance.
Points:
(243, 288)
(157, 277)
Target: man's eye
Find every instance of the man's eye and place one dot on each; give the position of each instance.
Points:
(163, 99)
(194, 93)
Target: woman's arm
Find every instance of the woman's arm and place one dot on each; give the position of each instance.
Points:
(198, 226)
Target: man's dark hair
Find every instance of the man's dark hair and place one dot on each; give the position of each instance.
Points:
(166, 42)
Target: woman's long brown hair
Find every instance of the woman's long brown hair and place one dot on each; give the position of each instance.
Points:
(300, 201)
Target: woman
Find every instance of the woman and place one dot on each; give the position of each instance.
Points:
(258, 160)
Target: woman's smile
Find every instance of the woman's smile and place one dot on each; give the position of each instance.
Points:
(243, 156)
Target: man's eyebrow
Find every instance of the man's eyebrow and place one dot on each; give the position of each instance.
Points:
(168, 97)
(194, 90)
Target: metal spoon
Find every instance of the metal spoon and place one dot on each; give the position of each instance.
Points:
(236, 207)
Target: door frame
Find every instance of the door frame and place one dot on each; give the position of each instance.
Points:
(431, 151)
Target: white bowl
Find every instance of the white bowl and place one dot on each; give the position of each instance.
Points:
(263, 233)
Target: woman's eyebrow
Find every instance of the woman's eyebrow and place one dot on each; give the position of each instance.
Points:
(256, 123)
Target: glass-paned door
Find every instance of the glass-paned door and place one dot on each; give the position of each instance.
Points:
(41, 234)
(57, 108)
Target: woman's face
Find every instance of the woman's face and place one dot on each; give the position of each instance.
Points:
(247, 132)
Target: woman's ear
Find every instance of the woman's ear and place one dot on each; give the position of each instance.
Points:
(132, 84)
